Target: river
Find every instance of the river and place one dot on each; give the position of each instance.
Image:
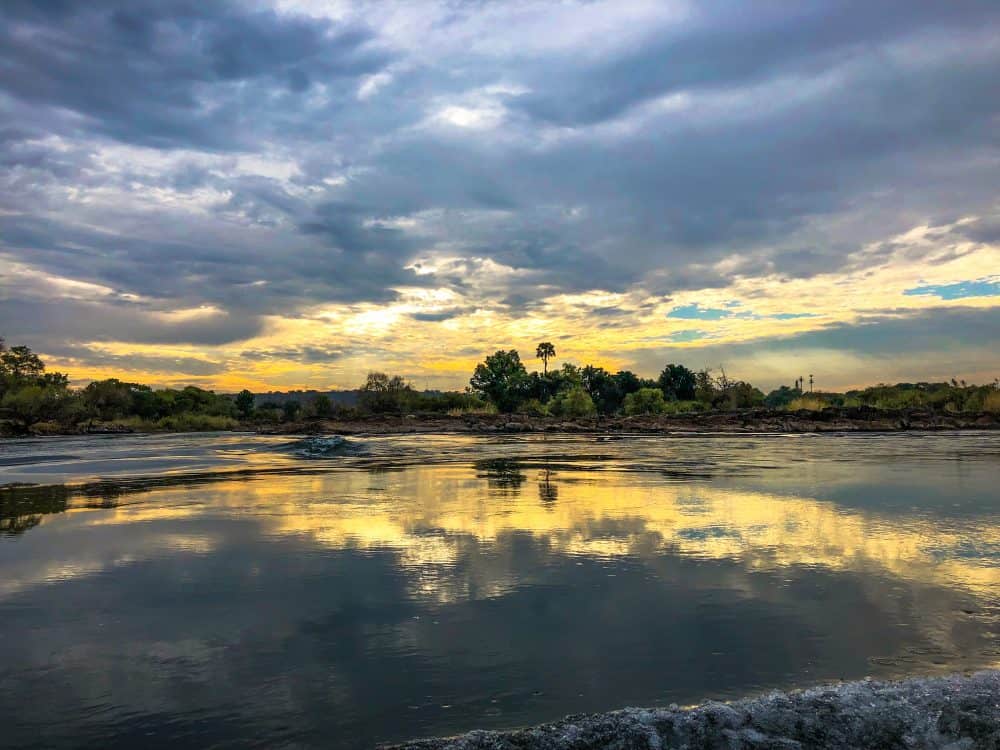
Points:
(240, 590)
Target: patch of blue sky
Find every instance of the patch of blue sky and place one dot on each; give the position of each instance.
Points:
(985, 287)
(697, 312)
(691, 334)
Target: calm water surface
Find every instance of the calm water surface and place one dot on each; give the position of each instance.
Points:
(244, 591)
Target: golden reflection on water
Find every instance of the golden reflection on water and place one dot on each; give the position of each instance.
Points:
(425, 514)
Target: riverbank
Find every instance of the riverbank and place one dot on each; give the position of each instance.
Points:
(859, 419)
(945, 712)
(855, 419)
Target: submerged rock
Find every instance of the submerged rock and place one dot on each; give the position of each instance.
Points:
(324, 447)
(957, 713)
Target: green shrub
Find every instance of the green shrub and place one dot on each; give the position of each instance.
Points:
(645, 401)
(991, 402)
(573, 402)
(533, 408)
(807, 402)
(462, 411)
(683, 407)
(196, 423)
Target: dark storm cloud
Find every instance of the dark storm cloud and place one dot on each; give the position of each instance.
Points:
(731, 44)
(800, 133)
(165, 74)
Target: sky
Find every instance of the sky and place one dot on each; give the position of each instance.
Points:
(290, 194)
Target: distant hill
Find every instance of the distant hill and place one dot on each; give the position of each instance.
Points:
(337, 398)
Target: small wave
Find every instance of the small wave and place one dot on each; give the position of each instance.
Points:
(327, 446)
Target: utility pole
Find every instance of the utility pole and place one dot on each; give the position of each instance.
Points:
(810, 383)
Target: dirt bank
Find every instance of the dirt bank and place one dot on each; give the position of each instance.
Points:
(758, 420)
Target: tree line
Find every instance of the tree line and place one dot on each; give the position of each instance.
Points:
(31, 396)
(503, 381)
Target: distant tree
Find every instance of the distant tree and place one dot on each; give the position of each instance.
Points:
(645, 401)
(567, 376)
(739, 394)
(20, 363)
(268, 413)
(603, 389)
(108, 399)
(677, 382)
(244, 403)
(19, 366)
(322, 407)
(28, 394)
(544, 352)
(382, 394)
(704, 387)
(502, 380)
(781, 397)
(290, 410)
(30, 404)
(539, 387)
(628, 382)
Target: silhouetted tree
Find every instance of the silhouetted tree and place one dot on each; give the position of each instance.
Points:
(677, 382)
(322, 407)
(704, 387)
(382, 394)
(290, 410)
(545, 351)
(20, 363)
(502, 380)
(781, 397)
(30, 404)
(244, 402)
(603, 388)
(628, 382)
(108, 399)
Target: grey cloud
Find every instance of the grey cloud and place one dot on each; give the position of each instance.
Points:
(938, 331)
(439, 315)
(56, 321)
(943, 341)
(730, 44)
(307, 354)
(96, 358)
(980, 230)
(158, 73)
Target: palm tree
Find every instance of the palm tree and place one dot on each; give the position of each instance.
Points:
(543, 352)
